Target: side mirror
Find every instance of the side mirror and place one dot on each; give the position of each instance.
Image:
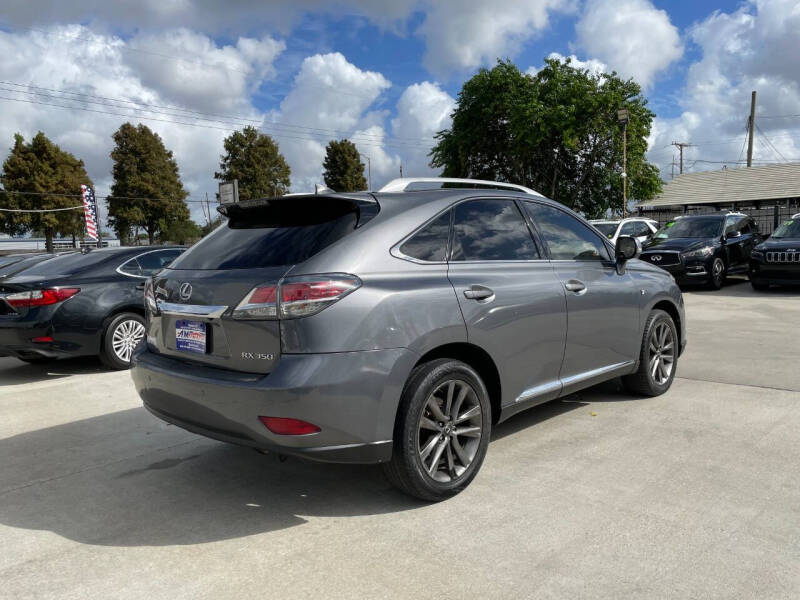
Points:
(627, 248)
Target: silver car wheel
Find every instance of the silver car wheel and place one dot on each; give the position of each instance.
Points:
(449, 431)
(125, 337)
(661, 352)
(717, 270)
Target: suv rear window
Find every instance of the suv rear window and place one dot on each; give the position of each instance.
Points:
(278, 233)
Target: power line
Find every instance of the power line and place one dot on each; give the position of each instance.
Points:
(227, 129)
(359, 138)
(771, 145)
(113, 197)
(183, 112)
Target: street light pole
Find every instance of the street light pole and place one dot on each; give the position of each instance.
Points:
(623, 117)
(369, 171)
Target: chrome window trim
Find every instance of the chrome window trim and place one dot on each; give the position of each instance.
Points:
(397, 253)
(137, 256)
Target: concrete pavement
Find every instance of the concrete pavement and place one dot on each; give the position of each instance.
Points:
(693, 494)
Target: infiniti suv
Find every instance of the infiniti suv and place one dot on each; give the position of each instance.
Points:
(704, 248)
(398, 327)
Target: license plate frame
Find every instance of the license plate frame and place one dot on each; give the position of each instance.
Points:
(191, 336)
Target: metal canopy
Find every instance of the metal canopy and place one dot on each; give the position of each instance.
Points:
(727, 186)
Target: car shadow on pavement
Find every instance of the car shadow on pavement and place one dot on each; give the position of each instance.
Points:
(534, 416)
(17, 372)
(125, 479)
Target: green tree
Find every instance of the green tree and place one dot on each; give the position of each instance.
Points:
(344, 171)
(182, 232)
(147, 190)
(41, 167)
(254, 159)
(555, 131)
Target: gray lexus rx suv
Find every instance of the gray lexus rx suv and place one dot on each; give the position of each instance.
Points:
(397, 327)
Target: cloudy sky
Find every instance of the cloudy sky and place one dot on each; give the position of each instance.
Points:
(383, 73)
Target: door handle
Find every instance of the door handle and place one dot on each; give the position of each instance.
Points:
(478, 292)
(573, 285)
(140, 286)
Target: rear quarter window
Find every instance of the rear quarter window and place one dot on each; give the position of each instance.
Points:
(429, 243)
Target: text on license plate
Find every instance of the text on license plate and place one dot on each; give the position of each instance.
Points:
(190, 336)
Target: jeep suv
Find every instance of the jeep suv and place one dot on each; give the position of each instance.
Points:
(398, 327)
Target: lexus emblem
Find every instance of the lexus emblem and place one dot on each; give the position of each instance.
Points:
(656, 258)
(185, 291)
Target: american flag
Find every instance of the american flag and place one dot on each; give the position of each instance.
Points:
(90, 211)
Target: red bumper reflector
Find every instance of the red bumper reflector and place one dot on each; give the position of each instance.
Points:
(42, 340)
(286, 426)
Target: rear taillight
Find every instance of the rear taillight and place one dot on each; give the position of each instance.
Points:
(295, 297)
(287, 426)
(40, 297)
(150, 297)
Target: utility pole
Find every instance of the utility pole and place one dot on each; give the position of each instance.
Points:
(369, 171)
(751, 125)
(680, 146)
(623, 117)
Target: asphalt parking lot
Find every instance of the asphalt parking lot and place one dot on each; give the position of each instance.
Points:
(694, 494)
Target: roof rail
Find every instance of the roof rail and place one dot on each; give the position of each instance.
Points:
(400, 185)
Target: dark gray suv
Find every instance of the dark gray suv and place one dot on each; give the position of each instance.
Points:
(397, 327)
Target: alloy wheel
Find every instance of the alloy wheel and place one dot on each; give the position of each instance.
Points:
(449, 431)
(125, 338)
(661, 353)
(717, 271)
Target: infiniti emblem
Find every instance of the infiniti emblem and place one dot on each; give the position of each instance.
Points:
(185, 291)
(657, 258)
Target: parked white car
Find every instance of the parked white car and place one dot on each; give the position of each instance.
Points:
(634, 227)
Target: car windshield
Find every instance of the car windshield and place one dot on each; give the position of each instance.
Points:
(788, 229)
(695, 227)
(607, 229)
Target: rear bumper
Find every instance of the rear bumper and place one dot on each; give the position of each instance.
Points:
(351, 396)
(16, 336)
(774, 274)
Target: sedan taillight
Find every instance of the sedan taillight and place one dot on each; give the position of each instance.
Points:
(40, 297)
(295, 297)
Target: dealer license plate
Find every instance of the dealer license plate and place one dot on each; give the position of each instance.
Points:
(190, 336)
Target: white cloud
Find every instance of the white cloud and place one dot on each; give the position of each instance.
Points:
(330, 98)
(200, 73)
(90, 66)
(422, 110)
(753, 48)
(631, 36)
(594, 66)
(459, 35)
(477, 32)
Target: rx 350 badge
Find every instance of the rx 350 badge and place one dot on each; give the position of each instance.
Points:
(257, 356)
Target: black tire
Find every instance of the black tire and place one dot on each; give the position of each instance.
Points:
(645, 382)
(119, 357)
(759, 285)
(716, 278)
(407, 469)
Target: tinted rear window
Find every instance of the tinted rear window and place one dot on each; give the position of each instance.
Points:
(430, 242)
(284, 232)
(71, 263)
